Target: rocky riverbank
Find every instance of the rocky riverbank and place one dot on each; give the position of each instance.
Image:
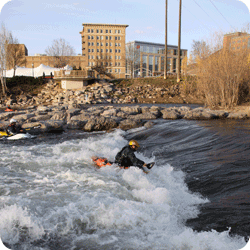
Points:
(107, 117)
(95, 108)
(100, 93)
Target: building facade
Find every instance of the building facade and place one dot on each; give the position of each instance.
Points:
(148, 59)
(105, 52)
(104, 45)
(236, 41)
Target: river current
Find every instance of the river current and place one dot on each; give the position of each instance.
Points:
(195, 197)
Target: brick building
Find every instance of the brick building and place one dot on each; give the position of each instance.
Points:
(236, 41)
(104, 44)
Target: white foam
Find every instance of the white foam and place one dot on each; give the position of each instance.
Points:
(60, 190)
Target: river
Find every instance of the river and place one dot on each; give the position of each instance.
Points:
(195, 197)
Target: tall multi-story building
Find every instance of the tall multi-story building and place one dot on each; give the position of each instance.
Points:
(104, 45)
(104, 50)
(236, 41)
(149, 58)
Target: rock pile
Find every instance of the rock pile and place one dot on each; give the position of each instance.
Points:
(103, 118)
(98, 93)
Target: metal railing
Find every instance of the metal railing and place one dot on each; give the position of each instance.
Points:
(71, 74)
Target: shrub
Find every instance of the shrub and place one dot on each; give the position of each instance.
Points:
(222, 76)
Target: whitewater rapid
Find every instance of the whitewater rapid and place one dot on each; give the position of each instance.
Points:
(52, 197)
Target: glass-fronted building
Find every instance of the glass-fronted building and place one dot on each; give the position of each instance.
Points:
(148, 59)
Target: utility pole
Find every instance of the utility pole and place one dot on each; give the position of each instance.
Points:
(179, 48)
(166, 41)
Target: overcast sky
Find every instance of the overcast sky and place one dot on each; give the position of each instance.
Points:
(37, 23)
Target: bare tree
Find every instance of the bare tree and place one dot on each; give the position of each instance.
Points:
(59, 52)
(5, 37)
(132, 58)
(15, 54)
(200, 50)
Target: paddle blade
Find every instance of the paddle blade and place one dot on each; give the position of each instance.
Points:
(150, 165)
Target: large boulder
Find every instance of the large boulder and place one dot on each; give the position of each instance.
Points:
(144, 116)
(110, 112)
(23, 117)
(200, 114)
(130, 123)
(237, 115)
(131, 110)
(172, 114)
(39, 118)
(60, 115)
(76, 124)
(43, 108)
(100, 124)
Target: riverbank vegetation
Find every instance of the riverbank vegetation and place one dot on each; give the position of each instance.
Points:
(222, 74)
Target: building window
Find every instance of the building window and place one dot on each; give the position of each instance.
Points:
(92, 31)
(110, 31)
(100, 31)
(92, 37)
(97, 50)
(89, 50)
(89, 37)
(97, 31)
(93, 50)
(88, 30)
(93, 44)
(101, 37)
(107, 44)
(101, 44)
(107, 31)
(101, 50)
(110, 44)
(110, 50)
(98, 44)
(97, 37)
(110, 38)
(107, 50)
(89, 44)
(107, 38)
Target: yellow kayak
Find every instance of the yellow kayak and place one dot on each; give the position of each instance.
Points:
(3, 133)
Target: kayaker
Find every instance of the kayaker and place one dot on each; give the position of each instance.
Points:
(14, 128)
(126, 157)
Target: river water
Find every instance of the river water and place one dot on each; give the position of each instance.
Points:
(195, 197)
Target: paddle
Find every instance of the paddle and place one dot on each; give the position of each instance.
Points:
(150, 165)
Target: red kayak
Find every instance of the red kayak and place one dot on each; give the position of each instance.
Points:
(8, 110)
(103, 162)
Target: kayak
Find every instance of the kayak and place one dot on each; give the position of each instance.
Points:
(4, 135)
(8, 110)
(103, 162)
